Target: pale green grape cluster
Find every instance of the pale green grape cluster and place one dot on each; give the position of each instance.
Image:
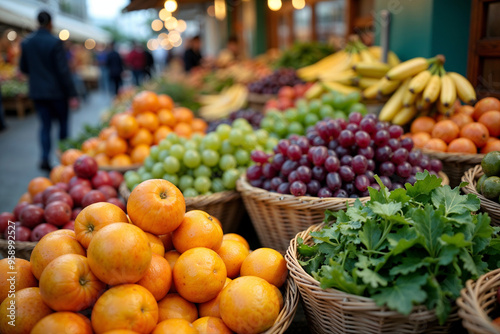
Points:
(203, 165)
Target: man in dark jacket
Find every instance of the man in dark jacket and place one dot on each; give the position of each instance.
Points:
(192, 56)
(115, 68)
(50, 83)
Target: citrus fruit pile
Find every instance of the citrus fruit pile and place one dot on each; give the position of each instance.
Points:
(489, 184)
(158, 270)
(469, 130)
(151, 118)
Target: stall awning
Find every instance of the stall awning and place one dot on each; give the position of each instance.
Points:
(23, 15)
(146, 4)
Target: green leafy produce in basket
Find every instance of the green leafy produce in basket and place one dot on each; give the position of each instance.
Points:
(413, 246)
(304, 54)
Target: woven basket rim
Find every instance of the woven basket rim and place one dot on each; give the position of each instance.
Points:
(20, 245)
(260, 98)
(454, 157)
(470, 177)
(122, 169)
(287, 313)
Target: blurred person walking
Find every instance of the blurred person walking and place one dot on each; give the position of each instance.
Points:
(136, 60)
(51, 86)
(101, 57)
(192, 56)
(148, 65)
(114, 64)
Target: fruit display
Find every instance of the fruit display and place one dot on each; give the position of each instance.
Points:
(287, 96)
(469, 130)
(221, 105)
(303, 114)
(303, 54)
(14, 87)
(272, 83)
(252, 116)
(488, 185)
(406, 247)
(420, 85)
(339, 158)
(203, 165)
(177, 274)
(52, 204)
(129, 136)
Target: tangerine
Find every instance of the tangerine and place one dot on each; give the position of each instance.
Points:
(199, 125)
(233, 253)
(38, 184)
(167, 118)
(462, 145)
(461, 119)
(161, 133)
(266, 263)
(158, 277)
(142, 136)
(23, 277)
(183, 115)
(121, 160)
(115, 145)
(173, 306)
(485, 105)
(145, 101)
(420, 139)
(166, 102)
(197, 229)
(491, 145)
(69, 156)
(422, 124)
(211, 308)
(183, 130)
(156, 244)
(56, 173)
(476, 132)
(127, 126)
(236, 237)
(491, 120)
(211, 325)
(60, 322)
(148, 121)
(102, 159)
(178, 326)
(139, 153)
(446, 130)
(436, 144)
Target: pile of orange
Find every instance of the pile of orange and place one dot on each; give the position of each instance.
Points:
(469, 130)
(126, 271)
(149, 120)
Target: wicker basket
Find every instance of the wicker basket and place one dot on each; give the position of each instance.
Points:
(334, 311)
(487, 205)
(278, 218)
(455, 164)
(226, 206)
(258, 101)
(476, 302)
(122, 169)
(23, 249)
(285, 317)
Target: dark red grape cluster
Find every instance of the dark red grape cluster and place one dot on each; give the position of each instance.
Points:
(273, 82)
(339, 158)
(254, 117)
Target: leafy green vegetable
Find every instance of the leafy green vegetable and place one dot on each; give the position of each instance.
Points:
(412, 246)
(303, 54)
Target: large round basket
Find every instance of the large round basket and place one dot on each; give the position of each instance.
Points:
(477, 301)
(121, 169)
(21, 249)
(226, 206)
(258, 101)
(278, 218)
(487, 205)
(455, 164)
(334, 311)
(285, 317)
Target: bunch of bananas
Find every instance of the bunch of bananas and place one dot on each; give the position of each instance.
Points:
(420, 85)
(221, 105)
(354, 68)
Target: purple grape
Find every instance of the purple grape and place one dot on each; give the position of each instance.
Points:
(359, 164)
(303, 144)
(318, 141)
(371, 116)
(294, 152)
(352, 127)
(346, 138)
(310, 135)
(284, 188)
(259, 156)
(425, 163)
(288, 167)
(407, 143)
(394, 144)
(346, 173)
(322, 130)
(298, 188)
(333, 128)
(341, 151)
(278, 161)
(283, 145)
(395, 131)
(256, 183)
(370, 165)
(318, 173)
(304, 161)
(404, 170)
(396, 185)
(310, 153)
(313, 187)
(304, 173)
(386, 181)
(324, 192)
(349, 187)
(254, 172)
(411, 180)
(341, 193)
(370, 175)
(436, 165)
(382, 126)
(333, 181)
(365, 193)
(383, 153)
(414, 157)
(346, 160)
(331, 153)
(268, 171)
(367, 152)
(399, 156)
(293, 176)
(332, 164)
(275, 182)
(361, 182)
(333, 144)
(375, 186)
(267, 185)
(355, 118)
(381, 137)
(362, 139)
(293, 138)
(387, 168)
(416, 169)
(368, 125)
(342, 123)
(319, 155)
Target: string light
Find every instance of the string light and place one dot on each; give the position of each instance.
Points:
(163, 14)
(220, 9)
(157, 25)
(90, 44)
(64, 34)
(171, 23)
(174, 36)
(12, 35)
(211, 10)
(171, 5)
(298, 4)
(163, 35)
(181, 26)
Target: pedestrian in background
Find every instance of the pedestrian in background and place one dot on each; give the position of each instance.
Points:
(149, 65)
(192, 56)
(136, 60)
(51, 86)
(114, 64)
(101, 56)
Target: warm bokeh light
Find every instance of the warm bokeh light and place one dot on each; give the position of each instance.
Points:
(163, 35)
(298, 4)
(164, 14)
(171, 5)
(153, 44)
(164, 43)
(178, 43)
(274, 5)
(64, 34)
(12, 35)
(174, 36)
(211, 10)
(90, 44)
(171, 23)
(157, 25)
(220, 9)
(181, 26)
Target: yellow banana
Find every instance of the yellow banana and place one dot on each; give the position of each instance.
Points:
(433, 88)
(388, 86)
(344, 77)
(367, 82)
(372, 70)
(366, 56)
(394, 104)
(311, 72)
(392, 58)
(407, 69)
(405, 115)
(421, 104)
(314, 91)
(448, 91)
(340, 67)
(442, 109)
(465, 90)
(409, 98)
(371, 92)
(335, 86)
(419, 81)
(355, 58)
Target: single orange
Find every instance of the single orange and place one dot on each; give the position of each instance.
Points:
(173, 306)
(90, 144)
(121, 160)
(422, 124)
(107, 132)
(461, 119)
(171, 256)
(148, 121)
(485, 105)
(102, 159)
(145, 101)
(199, 125)
(26, 197)
(69, 156)
(466, 109)
(60, 322)
(139, 153)
(142, 136)
(115, 145)
(158, 277)
(420, 139)
(156, 244)
(56, 173)
(197, 229)
(462, 145)
(38, 184)
(167, 241)
(491, 119)
(127, 126)
(236, 237)
(101, 147)
(21, 276)
(211, 308)
(167, 118)
(233, 253)
(183, 130)
(166, 102)
(115, 118)
(121, 331)
(436, 144)
(178, 326)
(211, 325)
(476, 132)
(183, 115)
(446, 130)
(265, 263)
(161, 133)
(67, 174)
(491, 145)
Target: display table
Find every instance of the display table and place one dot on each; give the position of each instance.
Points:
(19, 103)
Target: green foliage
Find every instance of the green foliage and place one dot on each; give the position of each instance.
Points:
(14, 87)
(181, 94)
(304, 54)
(412, 246)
